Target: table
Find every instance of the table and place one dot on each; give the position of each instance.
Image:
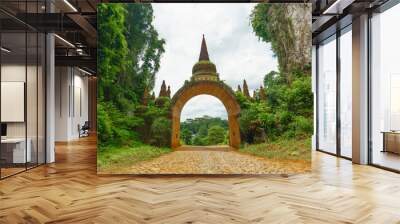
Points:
(391, 141)
(13, 150)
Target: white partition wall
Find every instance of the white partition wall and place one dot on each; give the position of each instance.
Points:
(71, 102)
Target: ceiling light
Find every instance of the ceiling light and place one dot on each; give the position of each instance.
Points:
(70, 5)
(65, 41)
(79, 51)
(5, 50)
(338, 6)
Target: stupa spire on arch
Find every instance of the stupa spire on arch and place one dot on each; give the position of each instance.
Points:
(204, 69)
(203, 51)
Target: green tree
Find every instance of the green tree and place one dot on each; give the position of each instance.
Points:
(186, 136)
(300, 97)
(216, 135)
(146, 47)
(200, 126)
(248, 123)
(286, 108)
(112, 49)
(129, 52)
(198, 140)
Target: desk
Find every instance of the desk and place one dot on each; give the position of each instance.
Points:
(13, 150)
(391, 141)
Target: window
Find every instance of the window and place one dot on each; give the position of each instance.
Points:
(327, 95)
(385, 89)
(22, 66)
(346, 92)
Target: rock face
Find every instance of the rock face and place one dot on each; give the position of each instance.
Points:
(302, 31)
(287, 27)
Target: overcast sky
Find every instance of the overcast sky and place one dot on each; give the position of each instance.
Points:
(232, 47)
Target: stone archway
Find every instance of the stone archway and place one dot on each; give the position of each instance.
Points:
(217, 89)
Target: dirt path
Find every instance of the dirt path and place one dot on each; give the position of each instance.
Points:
(216, 160)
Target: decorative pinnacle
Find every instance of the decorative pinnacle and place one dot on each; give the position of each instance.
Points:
(203, 51)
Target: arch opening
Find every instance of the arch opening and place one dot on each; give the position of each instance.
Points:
(217, 89)
(204, 122)
(199, 106)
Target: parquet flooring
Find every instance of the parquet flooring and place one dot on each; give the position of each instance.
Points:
(70, 191)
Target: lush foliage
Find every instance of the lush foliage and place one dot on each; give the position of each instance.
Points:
(133, 126)
(215, 135)
(204, 130)
(129, 52)
(285, 114)
(285, 149)
(118, 159)
(160, 132)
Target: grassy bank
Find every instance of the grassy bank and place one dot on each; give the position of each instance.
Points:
(292, 149)
(119, 159)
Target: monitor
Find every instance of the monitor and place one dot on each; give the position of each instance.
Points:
(3, 129)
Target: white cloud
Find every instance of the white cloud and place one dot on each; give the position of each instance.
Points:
(232, 46)
(202, 105)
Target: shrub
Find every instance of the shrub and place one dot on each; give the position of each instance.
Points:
(198, 140)
(248, 123)
(104, 124)
(216, 135)
(161, 132)
(186, 136)
(301, 126)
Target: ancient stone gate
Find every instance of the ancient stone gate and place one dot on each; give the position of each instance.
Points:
(205, 80)
(214, 88)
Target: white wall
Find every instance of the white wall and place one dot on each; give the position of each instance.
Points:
(71, 102)
(33, 126)
(62, 83)
(16, 73)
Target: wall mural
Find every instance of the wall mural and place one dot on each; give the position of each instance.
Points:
(233, 84)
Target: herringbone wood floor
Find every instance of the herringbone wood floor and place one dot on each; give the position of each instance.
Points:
(69, 191)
